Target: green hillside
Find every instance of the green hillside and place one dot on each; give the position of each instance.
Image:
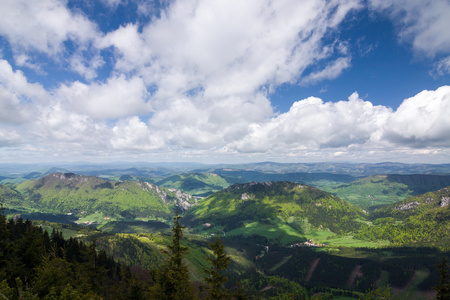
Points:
(71, 193)
(387, 189)
(280, 211)
(422, 220)
(10, 197)
(200, 184)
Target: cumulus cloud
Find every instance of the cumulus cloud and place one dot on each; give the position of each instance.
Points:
(133, 134)
(313, 124)
(196, 124)
(59, 127)
(46, 26)
(116, 98)
(17, 95)
(197, 79)
(421, 121)
(43, 25)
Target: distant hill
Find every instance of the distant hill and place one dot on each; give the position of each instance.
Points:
(386, 189)
(353, 169)
(206, 183)
(201, 184)
(300, 177)
(72, 193)
(32, 175)
(274, 209)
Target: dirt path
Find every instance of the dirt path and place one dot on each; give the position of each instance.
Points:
(311, 269)
(355, 273)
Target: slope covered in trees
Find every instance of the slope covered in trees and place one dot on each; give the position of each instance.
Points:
(71, 193)
(422, 220)
(387, 189)
(283, 206)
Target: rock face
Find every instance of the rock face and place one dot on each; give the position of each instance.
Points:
(172, 196)
(445, 201)
(407, 206)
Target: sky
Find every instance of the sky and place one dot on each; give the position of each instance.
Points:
(224, 81)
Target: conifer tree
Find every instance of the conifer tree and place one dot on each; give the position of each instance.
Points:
(174, 277)
(214, 276)
(443, 288)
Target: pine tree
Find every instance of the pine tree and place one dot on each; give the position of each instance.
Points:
(214, 276)
(443, 288)
(174, 277)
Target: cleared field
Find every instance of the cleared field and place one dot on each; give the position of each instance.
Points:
(277, 230)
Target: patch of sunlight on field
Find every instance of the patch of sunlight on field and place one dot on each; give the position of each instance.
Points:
(274, 231)
(320, 236)
(349, 241)
(96, 217)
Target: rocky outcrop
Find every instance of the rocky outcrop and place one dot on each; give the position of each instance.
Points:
(407, 206)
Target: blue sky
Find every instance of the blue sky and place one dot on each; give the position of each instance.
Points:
(225, 81)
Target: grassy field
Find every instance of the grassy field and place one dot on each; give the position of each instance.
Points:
(67, 233)
(96, 218)
(276, 230)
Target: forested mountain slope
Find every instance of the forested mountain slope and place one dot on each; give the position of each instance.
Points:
(9, 196)
(418, 220)
(72, 193)
(387, 189)
(283, 206)
(201, 184)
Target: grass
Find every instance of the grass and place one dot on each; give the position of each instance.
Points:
(410, 292)
(96, 217)
(276, 230)
(67, 233)
(349, 241)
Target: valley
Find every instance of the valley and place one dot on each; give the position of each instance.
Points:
(317, 233)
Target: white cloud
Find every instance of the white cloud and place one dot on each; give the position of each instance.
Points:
(17, 95)
(132, 50)
(422, 121)
(197, 80)
(23, 60)
(68, 131)
(331, 71)
(423, 22)
(86, 67)
(133, 134)
(10, 137)
(196, 124)
(118, 97)
(45, 26)
(196, 45)
(111, 3)
(312, 124)
(442, 67)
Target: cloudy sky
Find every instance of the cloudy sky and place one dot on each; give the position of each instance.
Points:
(225, 81)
